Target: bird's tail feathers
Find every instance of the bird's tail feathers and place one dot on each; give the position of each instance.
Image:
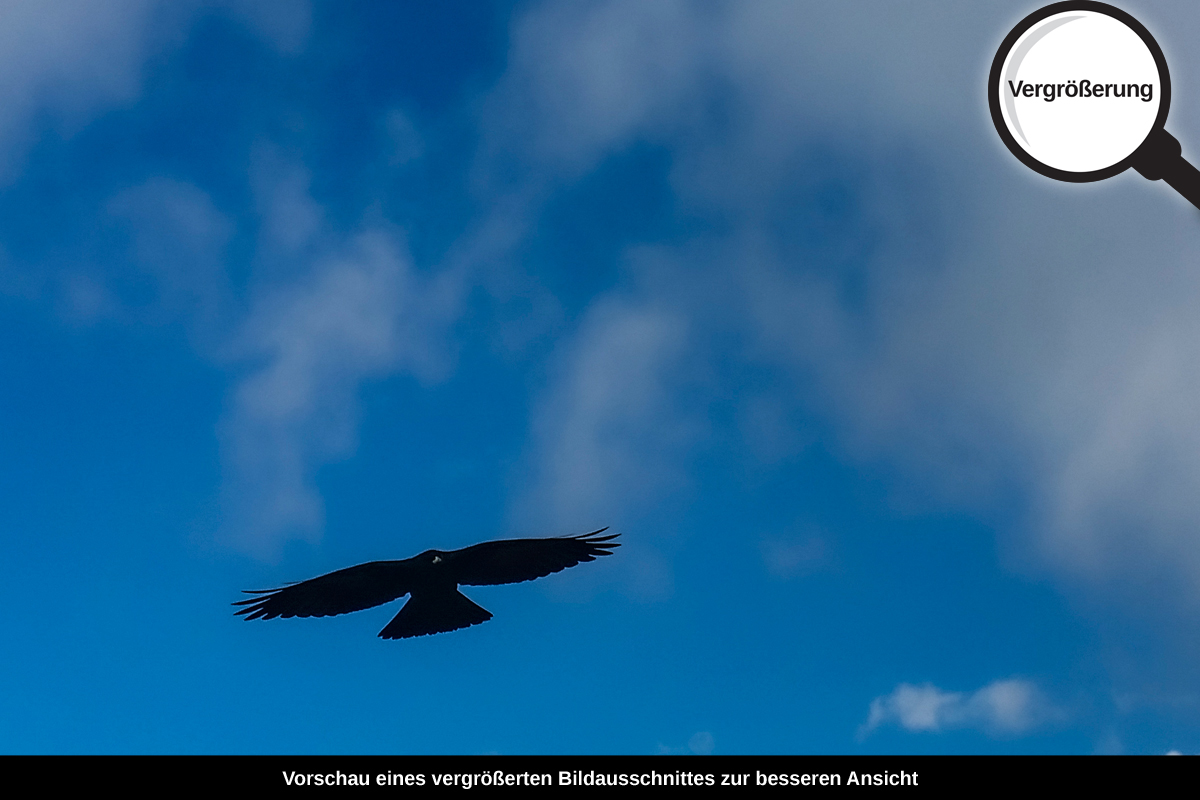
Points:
(434, 612)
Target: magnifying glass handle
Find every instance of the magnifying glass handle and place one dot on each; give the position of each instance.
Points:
(1161, 158)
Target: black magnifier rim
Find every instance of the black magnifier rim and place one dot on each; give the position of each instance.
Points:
(1007, 45)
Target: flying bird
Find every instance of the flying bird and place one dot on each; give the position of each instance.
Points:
(431, 579)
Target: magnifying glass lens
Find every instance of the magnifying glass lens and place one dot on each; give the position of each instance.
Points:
(1081, 91)
(1076, 88)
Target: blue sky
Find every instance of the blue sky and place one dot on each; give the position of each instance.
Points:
(898, 434)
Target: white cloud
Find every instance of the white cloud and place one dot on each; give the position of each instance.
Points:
(326, 312)
(330, 312)
(585, 78)
(67, 57)
(290, 221)
(1005, 345)
(361, 312)
(72, 59)
(607, 435)
(1006, 707)
(702, 743)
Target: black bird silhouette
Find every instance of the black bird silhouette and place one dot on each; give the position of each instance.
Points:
(432, 578)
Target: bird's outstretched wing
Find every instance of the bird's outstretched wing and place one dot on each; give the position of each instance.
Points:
(350, 589)
(516, 560)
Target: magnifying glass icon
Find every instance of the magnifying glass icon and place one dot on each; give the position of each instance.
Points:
(1079, 91)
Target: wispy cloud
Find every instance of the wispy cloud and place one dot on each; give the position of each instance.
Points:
(585, 79)
(358, 310)
(1005, 708)
(65, 61)
(320, 309)
(606, 435)
(68, 58)
(324, 311)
